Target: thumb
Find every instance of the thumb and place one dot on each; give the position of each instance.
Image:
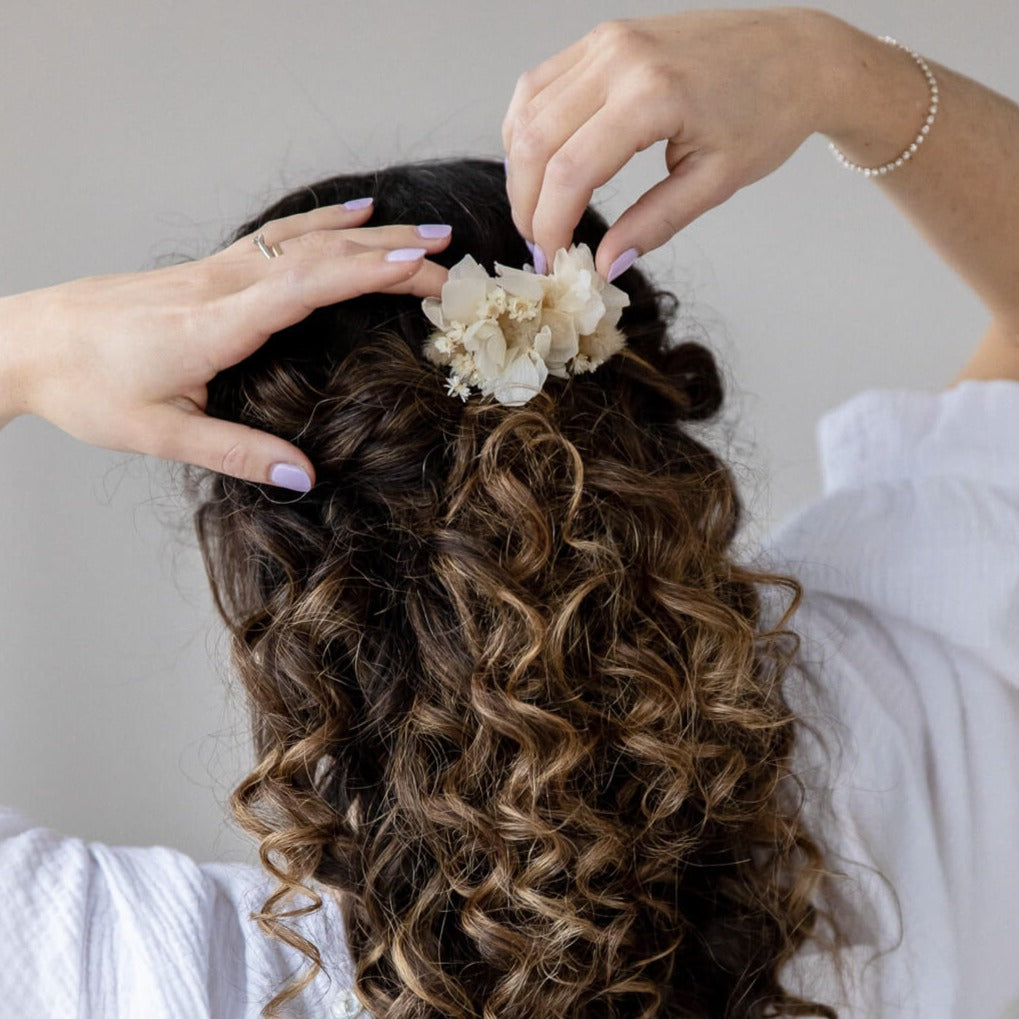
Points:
(191, 436)
(697, 183)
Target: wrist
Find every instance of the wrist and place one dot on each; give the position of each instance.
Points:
(874, 97)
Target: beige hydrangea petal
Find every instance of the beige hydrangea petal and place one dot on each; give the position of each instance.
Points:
(525, 285)
(522, 379)
(615, 301)
(486, 342)
(468, 268)
(543, 342)
(432, 307)
(564, 339)
(461, 297)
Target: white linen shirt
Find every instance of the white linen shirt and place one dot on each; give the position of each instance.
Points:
(910, 626)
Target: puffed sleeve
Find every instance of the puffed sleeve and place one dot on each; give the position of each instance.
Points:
(909, 563)
(89, 931)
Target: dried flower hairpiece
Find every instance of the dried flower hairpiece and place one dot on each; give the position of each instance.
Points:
(503, 336)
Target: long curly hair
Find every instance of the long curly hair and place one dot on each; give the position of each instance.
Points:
(512, 700)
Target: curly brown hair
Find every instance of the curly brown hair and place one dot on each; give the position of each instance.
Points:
(512, 699)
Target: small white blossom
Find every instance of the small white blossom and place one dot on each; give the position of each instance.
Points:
(494, 303)
(521, 310)
(523, 284)
(522, 378)
(455, 386)
(463, 365)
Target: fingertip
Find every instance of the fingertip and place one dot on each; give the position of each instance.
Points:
(365, 205)
(291, 476)
(623, 261)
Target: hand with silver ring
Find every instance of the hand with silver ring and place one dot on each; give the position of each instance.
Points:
(123, 361)
(270, 252)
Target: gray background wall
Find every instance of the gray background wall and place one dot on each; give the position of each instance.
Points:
(135, 131)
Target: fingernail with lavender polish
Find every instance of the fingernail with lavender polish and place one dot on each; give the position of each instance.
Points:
(288, 476)
(434, 231)
(622, 263)
(405, 254)
(505, 166)
(357, 203)
(540, 261)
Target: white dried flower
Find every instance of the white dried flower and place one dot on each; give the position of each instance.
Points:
(505, 335)
(521, 310)
(455, 386)
(494, 303)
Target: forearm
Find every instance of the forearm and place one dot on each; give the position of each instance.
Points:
(960, 189)
(13, 360)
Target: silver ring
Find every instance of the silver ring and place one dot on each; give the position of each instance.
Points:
(270, 252)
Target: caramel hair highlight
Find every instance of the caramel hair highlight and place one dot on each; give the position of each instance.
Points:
(512, 698)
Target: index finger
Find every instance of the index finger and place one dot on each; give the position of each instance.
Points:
(281, 299)
(531, 82)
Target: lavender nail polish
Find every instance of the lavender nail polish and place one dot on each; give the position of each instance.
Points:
(622, 263)
(357, 203)
(405, 254)
(540, 261)
(288, 476)
(434, 231)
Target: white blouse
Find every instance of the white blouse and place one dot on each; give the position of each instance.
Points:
(910, 627)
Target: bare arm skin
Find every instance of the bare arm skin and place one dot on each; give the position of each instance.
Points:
(962, 190)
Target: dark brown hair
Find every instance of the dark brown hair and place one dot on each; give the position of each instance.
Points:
(512, 700)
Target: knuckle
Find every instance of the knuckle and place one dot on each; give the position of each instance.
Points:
(235, 460)
(652, 81)
(562, 169)
(295, 279)
(343, 246)
(615, 35)
(529, 138)
(527, 84)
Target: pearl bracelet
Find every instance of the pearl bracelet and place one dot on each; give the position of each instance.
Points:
(914, 145)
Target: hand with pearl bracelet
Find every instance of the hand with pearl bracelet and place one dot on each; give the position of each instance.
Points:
(733, 94)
